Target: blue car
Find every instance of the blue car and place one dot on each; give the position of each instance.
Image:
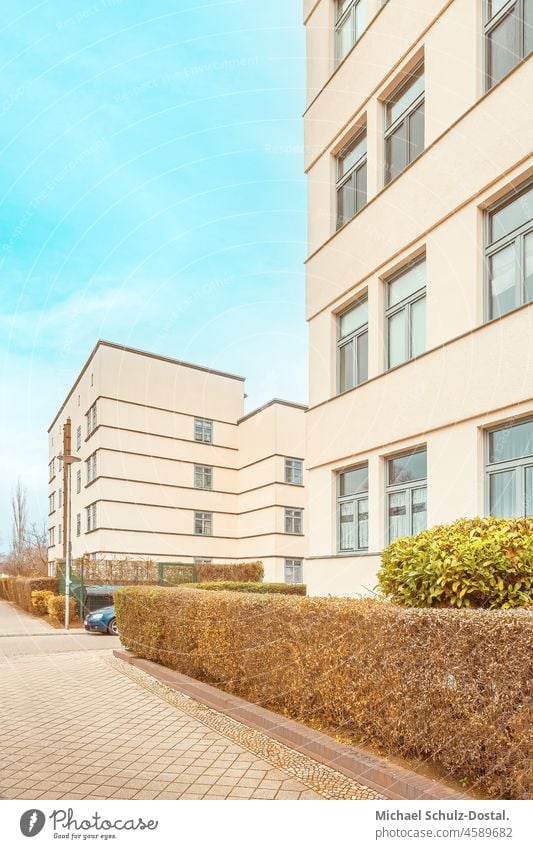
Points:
(103, 621)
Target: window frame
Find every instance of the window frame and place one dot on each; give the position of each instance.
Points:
(51, 536)
(405, 84)
(78, 481)
(340, 181)
(91, 468)
(406, 303)
(201, 470)
(339, 21)
(492, 23)
(343, 341)
(293, 563)
(201, 516)
(290, 468)
(348, 499)
(90, 517)
(293, 518)
(407, 486)
(490, 249)
(201, 423)
(92, 420)
(78, 524)
(78, 438)
(518, 463)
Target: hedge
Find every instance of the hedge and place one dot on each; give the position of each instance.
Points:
(56, 609)
(252, 587)
(470, 563)
(24, 587)
(7, 588)
(39, 601)
(448, 686)
(206, 572)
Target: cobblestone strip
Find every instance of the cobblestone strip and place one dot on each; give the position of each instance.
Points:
(322, 779)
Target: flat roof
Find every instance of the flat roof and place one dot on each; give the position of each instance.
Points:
(141, 353)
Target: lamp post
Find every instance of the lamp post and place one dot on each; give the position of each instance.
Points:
(68, 460)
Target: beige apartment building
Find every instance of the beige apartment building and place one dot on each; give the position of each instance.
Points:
(172, 470)
(418, 139)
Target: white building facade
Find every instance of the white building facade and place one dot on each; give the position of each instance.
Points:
(172, 471)
(418, 145)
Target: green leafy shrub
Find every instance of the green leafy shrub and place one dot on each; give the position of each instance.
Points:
(448, 686)
(207, 572)
(470, 563)
(56, 609)
(252, 587)
(39, 601)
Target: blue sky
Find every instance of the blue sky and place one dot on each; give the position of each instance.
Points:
(152, 194)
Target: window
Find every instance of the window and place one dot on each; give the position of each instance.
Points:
(59, 536)
(352, 509)
(51, 536)
(293, 572)
(51, 469)
(91, 468)
(351, 179)
(203, 477)
(406, 314)
(203, 524)
(198, 560)
(293, 521)
(78, 438)
(350, 19)
(352, 346)
(91, 420)
(203, 430)
(78, 525)
(407, 494)
(91, 517)
(293, 471)
(509, 470)
(404, 124)
(60, 498)
(508, 36)
(52, 502)
(78, 481)
(509, 253)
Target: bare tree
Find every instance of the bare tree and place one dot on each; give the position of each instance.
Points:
(36, 550)
(29, 553)
(20, 526)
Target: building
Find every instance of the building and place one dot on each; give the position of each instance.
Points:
(172, 470)
(419, 275)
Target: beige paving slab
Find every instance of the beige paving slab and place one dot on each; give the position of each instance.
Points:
(64, 697)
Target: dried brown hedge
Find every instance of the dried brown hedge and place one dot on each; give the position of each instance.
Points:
(25, 586)
(7, 588)
(56, 609)
(449, 686)
(206, 572)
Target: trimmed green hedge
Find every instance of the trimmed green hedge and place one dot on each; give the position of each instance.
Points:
(470, 563)
(238, 572)
(252, 587)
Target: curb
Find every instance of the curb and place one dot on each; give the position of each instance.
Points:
(391, 780)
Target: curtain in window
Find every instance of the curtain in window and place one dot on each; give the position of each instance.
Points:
(347, 526)
(503, 494)
(419, 509)
(362, 521)
(398, 526)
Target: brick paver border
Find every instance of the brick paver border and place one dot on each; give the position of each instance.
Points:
(387, 779)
